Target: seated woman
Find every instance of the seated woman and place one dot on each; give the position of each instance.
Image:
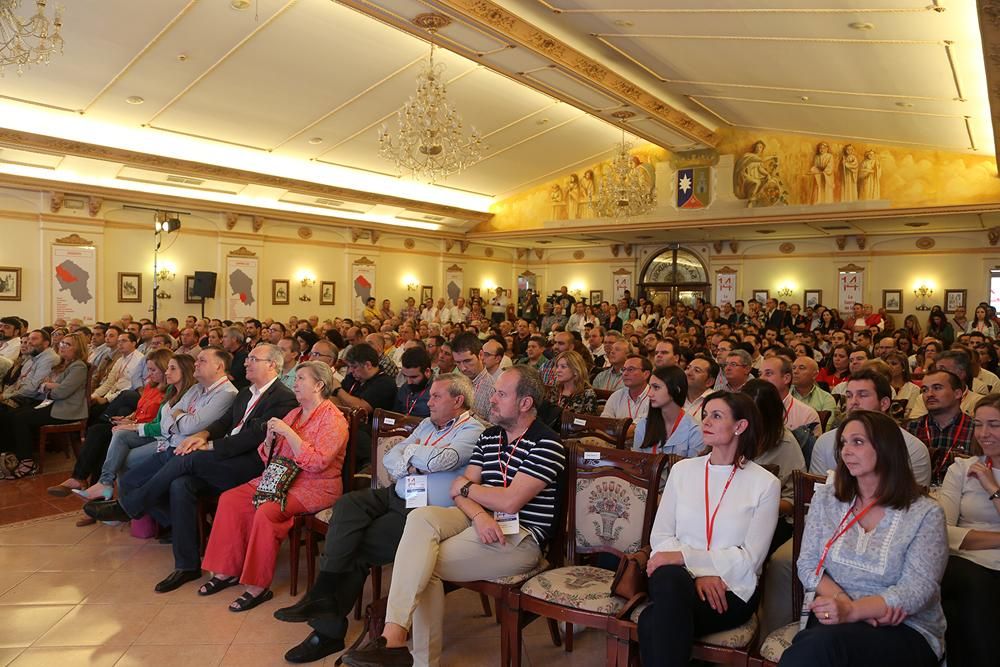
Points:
(65, 392)
(710, 536)
(837, 369)
(904, 388)
(777, 447)
(95, 445)
(970, 590)
(572, 390)
(128, 436)
(872, 557)
(667, 429)
(243, 546)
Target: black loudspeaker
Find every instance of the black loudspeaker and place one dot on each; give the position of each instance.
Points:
(204, 284)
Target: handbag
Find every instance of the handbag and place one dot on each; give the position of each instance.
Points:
(277, 478)
(630, 577)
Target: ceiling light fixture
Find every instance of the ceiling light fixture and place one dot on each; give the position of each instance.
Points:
(626, 190)
(316, 140)
(861, 25)
(31, 41)
(239, 5)
(134, 99)
(431, 143)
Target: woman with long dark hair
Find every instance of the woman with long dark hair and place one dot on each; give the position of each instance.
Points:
(940, 328)
(667, 428)
(837, 367)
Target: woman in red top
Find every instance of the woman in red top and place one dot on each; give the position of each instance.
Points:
(837, 369)
(95, 446)
(244, 543)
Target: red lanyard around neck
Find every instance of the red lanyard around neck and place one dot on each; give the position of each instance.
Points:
(710, 522)
(638, 402)
(504, 467)
(841, 529)
(954, 440)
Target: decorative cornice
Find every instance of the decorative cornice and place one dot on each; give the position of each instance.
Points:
(231, 219)
(365, 261)
(621, 272)
(242, 251)
(852, 268)
(726, 269)
(454, 267)
(56, 201)
(74, 239)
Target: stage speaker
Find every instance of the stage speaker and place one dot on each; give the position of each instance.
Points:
(204, 284)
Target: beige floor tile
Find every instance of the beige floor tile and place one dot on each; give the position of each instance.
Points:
(26, 558)
(193, 624)
(181, 656)
(260, 627)
(7, 655)
(57, 532)
(124, 587)
(89, 558)
(99, 625)
(259, 655)
(101, 534)
(54, 588)
(92, 656)
(10, 579)
(152, 557)
(22, 625)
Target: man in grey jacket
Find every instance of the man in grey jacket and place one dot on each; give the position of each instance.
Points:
(36, 368)
(367, 525)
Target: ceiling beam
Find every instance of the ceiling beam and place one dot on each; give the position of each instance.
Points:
(989, 28)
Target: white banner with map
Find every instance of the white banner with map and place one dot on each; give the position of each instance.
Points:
(241, 286)
(362, 284)
(453, 282)
(74, 284)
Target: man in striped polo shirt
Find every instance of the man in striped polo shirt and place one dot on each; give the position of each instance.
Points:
(505, 511)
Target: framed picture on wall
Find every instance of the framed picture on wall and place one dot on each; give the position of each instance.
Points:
(279, 292)
(426, 292)
(327, 293)
(10, 283)
(892, 300)
(189, 295)
(761, 295)
(129, 288)
(596, 297)
(812, 297)
(954, 299)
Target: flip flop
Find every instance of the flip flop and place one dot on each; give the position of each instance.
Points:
(216, 584)
(246, 602)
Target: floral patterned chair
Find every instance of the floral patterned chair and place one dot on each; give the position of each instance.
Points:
(612, 502)
(594, 431)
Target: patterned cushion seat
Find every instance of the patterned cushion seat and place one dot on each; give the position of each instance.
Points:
(778, 641)
(515, 579)
(325, 515)
(589, 441)
(738, 637)
(579, 587)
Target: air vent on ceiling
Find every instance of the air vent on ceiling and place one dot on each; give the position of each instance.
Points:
(184, 180)
(766, 231)
(434, 218)
(835, 228)
(544, 242)
(917, 224)
(332, 203)
(644, 236)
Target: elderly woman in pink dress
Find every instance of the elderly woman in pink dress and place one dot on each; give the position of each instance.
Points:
(249, 525)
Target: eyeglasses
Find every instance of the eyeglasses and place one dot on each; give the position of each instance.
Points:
(256, 359)
(320, 354)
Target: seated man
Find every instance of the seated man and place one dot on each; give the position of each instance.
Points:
(505, 512)
(412, 398)
(367, 525)
(34, 371)
(366, 386)
(632, 400)
(219, 457)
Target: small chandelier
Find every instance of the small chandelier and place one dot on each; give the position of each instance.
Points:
(431, 143)
(626, 189)
(26, 42)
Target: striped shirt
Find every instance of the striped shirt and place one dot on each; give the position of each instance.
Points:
(538, 453)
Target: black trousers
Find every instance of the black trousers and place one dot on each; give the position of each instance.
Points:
(365, 530)
(858, 645)
(22, 424)
(669, 626)
(970, 594)
(95, 445)
(167, 486)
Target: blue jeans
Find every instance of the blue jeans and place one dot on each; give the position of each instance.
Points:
(126, 446)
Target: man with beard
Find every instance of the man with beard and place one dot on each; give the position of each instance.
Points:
(412, 397)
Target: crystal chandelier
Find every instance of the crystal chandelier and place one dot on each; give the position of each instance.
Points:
(26, 42)
(430, 143)
(626, 188)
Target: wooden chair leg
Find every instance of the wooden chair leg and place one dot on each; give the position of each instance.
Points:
(310, 558)
(361, 598)
(487, 610)
(42, 442)
(294, 536)
(569, 638)
(554, 632)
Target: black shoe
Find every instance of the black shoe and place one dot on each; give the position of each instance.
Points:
(314, 647)
(376, 653)
(106, 510)
(177, 579)
(306, 609)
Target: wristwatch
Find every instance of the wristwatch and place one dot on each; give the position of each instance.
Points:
(465, 489)
(996, 494)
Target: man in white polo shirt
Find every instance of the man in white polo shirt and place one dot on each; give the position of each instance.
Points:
(632, 400)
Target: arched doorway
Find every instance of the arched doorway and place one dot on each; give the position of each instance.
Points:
(675, 275)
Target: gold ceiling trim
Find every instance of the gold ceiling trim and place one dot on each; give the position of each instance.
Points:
(852, 268)
(740, 10)
(242, 251)
(365, 261)
(30, 141)
(989, 29)
(819, 91)
(75, 240)
(839, 107)
(881, 141)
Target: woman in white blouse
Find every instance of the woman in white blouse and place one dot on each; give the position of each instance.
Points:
(970, 590)
(710, 537)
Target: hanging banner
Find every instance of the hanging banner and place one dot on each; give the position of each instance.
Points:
(453, 282)
(242, 290)
(725, 286)
(362, 285)
(74, 279)
(621, 280)
(850, 287)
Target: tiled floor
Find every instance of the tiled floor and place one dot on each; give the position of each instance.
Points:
(84, 596)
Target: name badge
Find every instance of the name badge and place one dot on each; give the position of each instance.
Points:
(510, 524)
(44, 404)
(389, 421)
(804, 614)
(579, 422)
(416, 491)
(591, 456)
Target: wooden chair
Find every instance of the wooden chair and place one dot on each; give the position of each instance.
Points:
(591, 430)
(607, 485)
(602, 397)
(775, 643)
(824, 419)
(74, 432)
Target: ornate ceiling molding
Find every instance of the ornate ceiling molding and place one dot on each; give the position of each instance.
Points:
(242, 251)
(46, 144)
(74, 239)
(989, 29)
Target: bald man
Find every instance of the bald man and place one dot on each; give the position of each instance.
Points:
(805, 389)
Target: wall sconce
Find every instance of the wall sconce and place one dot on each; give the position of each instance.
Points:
(160, 294)
(165, 274)
(923, 292)
(305, 297)
(784, 292)
(308, 282)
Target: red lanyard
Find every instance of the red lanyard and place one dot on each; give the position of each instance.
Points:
(410, 405)
(504, 467)
(954, 440)
(710, 522)
(841, 529)
(428, 442)
(788, 410)
(628, 399)
(680, 415)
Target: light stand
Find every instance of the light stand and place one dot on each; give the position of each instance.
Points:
(164, 223)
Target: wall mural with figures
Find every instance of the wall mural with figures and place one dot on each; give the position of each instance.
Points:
(760, 170)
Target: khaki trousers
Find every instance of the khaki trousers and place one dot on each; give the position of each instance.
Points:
(440, 544)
